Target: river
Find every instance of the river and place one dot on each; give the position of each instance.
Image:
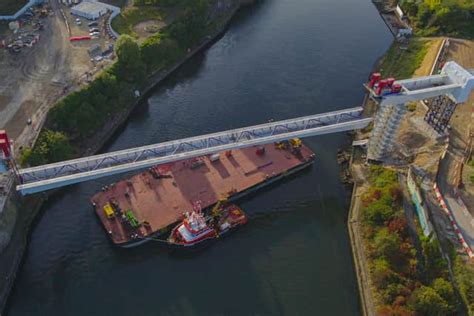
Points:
(279, 59)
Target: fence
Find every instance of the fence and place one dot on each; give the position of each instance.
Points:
(448, 212)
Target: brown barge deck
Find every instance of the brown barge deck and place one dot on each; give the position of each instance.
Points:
(158, 197)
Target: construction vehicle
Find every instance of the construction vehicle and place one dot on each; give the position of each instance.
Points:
(295, 142)
(217, 208)
(109, 211)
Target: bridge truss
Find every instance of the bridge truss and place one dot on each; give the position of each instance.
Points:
(59, 174)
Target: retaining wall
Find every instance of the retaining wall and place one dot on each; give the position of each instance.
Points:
(421, 210)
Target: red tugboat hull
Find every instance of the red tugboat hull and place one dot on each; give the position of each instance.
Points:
(229, 218)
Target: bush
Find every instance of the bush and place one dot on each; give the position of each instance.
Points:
(129, 66)
(158, 51)
(465, 279)
(426, 301)
(454, 17)
(446, 291)
(386, 245)
(51, 147)
(382, 274)
(434, 264)
(378, 212)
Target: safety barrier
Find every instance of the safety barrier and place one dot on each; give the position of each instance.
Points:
(448, 212)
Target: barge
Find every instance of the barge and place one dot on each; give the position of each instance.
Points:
(149, 204)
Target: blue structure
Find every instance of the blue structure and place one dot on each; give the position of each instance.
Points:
(20, 12)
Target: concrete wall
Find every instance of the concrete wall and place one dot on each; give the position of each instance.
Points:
(417, 200)
(20, 12)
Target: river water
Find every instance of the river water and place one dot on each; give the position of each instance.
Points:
(279, 59)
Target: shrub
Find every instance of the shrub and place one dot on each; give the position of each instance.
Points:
(51, 147)
(386, 245)
(446, 291)
(426, 301)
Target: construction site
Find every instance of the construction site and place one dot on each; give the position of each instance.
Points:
(40, 64)
(420, 128)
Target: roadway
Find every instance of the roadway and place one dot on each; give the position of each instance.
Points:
(449, 172)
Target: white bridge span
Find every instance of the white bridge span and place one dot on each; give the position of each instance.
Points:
(64, 173)
(453, 82)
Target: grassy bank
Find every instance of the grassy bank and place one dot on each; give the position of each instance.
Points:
(402, 60)
(165, 11)
(8, 7)
(405, 280)
(132, 16)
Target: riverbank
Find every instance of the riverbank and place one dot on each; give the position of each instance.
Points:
(28, 207)
(418, 56)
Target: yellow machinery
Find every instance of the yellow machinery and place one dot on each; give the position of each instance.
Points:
(217, 208)
(295, 142)
(280, 145)
(109, 211)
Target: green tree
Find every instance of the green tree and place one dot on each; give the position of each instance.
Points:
(192, 25)
(51, 147)
(378, 212)
(434, 264)
(382, 273)
(426, 301)
(386, 244)
(127, 50)
(423, 15)
(129, 66)
(446, 291)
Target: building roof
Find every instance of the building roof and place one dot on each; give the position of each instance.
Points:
(89, 7)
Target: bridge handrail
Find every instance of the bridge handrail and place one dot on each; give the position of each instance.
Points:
(353, 111)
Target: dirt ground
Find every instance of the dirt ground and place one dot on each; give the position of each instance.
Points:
(427, 64)
(416, 139)
(462, 121)
(146, 29)
(38, 77)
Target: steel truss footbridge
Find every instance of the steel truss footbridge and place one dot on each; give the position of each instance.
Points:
(64, 173)
(453, 82)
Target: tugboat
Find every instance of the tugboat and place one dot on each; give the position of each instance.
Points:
(196, 228)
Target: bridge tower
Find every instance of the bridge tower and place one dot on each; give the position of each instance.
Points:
(386, 125)
(453, 85)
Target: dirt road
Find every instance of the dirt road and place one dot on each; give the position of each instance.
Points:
(34, 79)
(461, 51)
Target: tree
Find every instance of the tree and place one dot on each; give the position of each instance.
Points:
(192, 25)
(434, 264)
(378, 212)
(423, 15)
(51, 147)
(149, 50)
(394, 311)
(446, 291)
(129, 66)
(382, 274)
(385, 244)
(127, 50)
(426, 301)
(398, 225)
